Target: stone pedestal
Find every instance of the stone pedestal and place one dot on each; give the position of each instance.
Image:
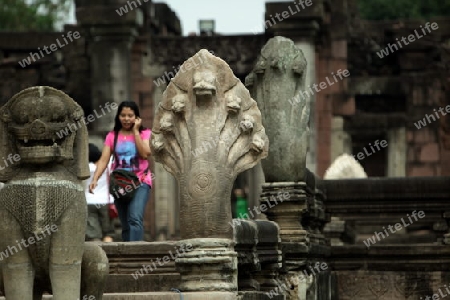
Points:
(210, 265)
(259, 255)
(287, 202)
(269, 254)
(246, 238)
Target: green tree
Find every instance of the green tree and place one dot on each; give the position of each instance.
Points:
(403, 9)
(32, 15)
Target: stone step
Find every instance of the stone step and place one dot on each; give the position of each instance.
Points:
(125, 283)
(163, 296)
(172, 296)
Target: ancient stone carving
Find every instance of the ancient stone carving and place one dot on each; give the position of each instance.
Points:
(206, 131)
(276, 83)
(42, 205)
(374, 285)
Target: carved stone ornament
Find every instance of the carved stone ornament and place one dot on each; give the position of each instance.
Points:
(206, 131)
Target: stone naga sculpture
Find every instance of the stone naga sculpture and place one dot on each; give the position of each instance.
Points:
(206, 131)
(42, 205)
(276, 83)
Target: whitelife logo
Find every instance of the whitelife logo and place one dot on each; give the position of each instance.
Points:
(35, 56)
(319, 87)
(124, 9)
(38, 236)
(305, 277)
(361, 156)
(74, 126)
(436, 296)
(422, 123)
(10, 158)
(261, 208)
(391, 48)
(285, 14)
(397, 226)
(161, 262)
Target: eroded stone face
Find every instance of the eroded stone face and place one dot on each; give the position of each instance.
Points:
(276, 84)
(207, 130)
(42, 124)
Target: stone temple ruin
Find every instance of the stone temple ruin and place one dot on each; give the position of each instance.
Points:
(349, 237)
(305, 250)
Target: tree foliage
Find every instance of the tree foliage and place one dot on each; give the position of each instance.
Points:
(403, 9)
(32, 15)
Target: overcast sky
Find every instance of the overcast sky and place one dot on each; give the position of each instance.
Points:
(231, 16)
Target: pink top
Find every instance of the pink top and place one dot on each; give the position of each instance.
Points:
(127, 155)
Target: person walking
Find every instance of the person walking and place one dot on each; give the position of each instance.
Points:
(128, 144)
(99, 227)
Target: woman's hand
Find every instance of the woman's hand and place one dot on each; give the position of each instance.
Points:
(137, 125)
(92, 186)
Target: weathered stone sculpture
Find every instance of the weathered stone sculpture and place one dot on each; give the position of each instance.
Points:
(207, 130)
(42, 205)
(277, 83)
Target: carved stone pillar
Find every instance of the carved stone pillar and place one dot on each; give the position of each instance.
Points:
(110, 40)
(206, 131)
(397, 152)
(341, 141)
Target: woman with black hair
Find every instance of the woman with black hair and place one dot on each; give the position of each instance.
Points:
(129, 145)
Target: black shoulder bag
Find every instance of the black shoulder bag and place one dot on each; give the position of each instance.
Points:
(123, 184)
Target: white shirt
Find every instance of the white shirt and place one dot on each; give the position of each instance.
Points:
(101, 192)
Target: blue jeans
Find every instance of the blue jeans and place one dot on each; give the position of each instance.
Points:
(131, 214)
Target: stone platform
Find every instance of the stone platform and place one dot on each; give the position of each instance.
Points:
(164, 296)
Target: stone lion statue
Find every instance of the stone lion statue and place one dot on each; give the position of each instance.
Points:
(42, 204)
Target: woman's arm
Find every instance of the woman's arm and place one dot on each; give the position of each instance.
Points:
(101, 166)
(143, 146)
